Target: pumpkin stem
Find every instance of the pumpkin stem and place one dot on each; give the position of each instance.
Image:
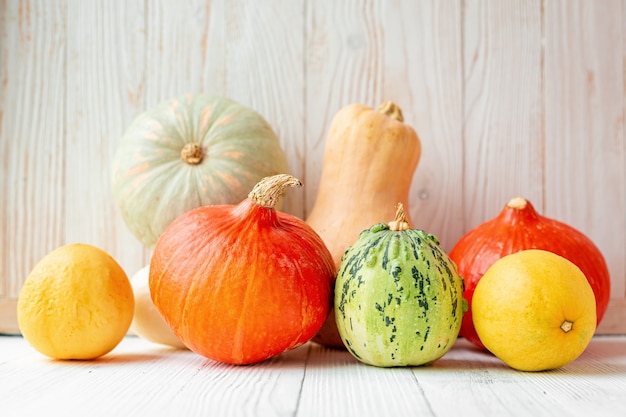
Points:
(267, 191)
(192, 153)
(392, 110)
(518, 203)
(400, 222)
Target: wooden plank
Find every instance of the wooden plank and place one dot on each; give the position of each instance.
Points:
(184, 49)
(585, 182)
(351, 388)
(105, 83)
(264, 52)
(423, 71)
(32, 127)
(343, 64)
(503, 141)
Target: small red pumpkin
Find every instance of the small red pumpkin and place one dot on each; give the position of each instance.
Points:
(519, 227)
(242, 283)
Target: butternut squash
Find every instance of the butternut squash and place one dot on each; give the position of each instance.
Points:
(369, 160)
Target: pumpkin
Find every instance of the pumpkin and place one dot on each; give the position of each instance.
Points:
(190, 151)
(242, 283)
(518, 227)
(398, 297)
(370, 157)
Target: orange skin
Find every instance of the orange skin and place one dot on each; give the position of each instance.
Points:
(240, 284)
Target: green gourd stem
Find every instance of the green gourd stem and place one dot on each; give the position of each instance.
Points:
(268, 191)
(392, 110)
(192, 153)
(400, 222)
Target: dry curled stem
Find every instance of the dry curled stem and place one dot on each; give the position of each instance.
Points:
(269, 190)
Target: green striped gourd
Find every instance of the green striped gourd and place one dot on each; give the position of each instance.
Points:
(398, 297)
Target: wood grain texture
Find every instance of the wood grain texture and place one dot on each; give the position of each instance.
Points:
(33, 74)
(141, 378)
(105, 73)
(343, 65)
(356, 389)
(264, 61)
(423, 72)
(484, 386)
(503, 123)
(584, 117)
(508, 98)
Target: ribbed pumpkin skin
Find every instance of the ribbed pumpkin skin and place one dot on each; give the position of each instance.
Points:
(240, 284)
(153, 185)
(398, 298)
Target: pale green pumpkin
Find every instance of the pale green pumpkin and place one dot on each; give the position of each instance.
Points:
(190, 151)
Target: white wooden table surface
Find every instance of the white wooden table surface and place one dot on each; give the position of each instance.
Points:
(143, 379)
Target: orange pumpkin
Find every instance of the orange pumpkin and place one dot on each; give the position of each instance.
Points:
(242, 283)
(519, 227)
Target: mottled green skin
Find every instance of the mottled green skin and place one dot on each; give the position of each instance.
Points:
(398, 298)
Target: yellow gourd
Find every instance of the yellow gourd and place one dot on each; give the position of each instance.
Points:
(370, 157)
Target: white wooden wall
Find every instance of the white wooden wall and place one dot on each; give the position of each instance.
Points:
(509, 97)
